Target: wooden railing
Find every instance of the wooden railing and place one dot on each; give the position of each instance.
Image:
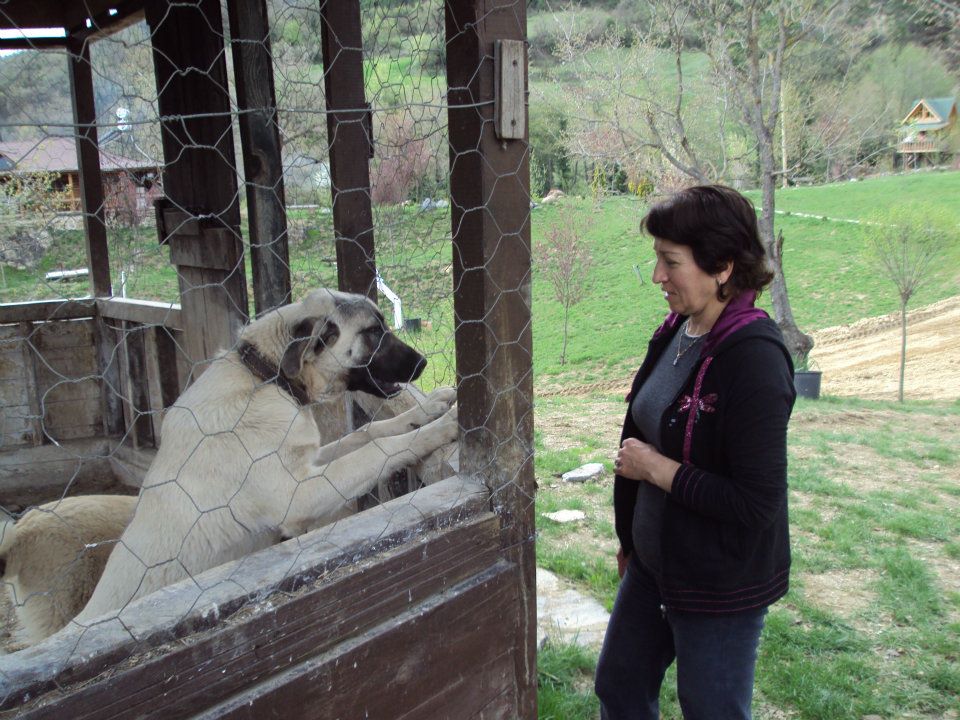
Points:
(89, 368)
(919, 146)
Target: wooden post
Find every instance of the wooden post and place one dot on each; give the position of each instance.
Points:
(88, 162)
(200, 216)
(134, 355)
(489, 187)
(260, 140)
(350, 146)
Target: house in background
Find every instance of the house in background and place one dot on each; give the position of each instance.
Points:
(130, 185)
(928, 131)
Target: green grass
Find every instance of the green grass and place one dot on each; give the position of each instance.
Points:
(565, 683)
(871, 624)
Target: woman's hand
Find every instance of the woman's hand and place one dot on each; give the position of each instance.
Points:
(638, 460)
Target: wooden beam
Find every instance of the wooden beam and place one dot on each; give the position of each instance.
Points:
(42, 310)
(108, 364)
(33, 383)
(139, 425)
(88, 161)
(349, 143)
(200, 172)
(490, 216)
(433, 659)
(262, 163)
(146, 312)
(22, 14)
(108, 21)
(33, 43)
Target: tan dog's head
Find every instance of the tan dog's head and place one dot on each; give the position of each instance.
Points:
(333, 341)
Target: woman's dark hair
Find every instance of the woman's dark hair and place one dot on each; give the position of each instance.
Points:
(719, 225)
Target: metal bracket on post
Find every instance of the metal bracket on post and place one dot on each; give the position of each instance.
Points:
(510, 89)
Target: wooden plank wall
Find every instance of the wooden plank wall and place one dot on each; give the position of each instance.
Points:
(19, 409)
(49, 383)
(65, 367)
(51, 377)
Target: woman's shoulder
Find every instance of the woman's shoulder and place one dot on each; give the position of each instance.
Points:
(757, 349)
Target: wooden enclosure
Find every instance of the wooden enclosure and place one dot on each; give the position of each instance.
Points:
(420, 607)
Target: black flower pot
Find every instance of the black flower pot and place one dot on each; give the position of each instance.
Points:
(807, 383)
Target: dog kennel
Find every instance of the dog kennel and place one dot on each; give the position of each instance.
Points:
(422, 606)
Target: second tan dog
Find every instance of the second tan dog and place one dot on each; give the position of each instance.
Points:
(53, 556)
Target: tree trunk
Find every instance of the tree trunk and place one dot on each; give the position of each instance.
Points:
(903, 346)
(566, 317)
(798, 343)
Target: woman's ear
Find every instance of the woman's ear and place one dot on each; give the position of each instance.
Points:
(725, 273)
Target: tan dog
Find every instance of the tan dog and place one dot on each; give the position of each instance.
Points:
(52, 558)
(240, 464)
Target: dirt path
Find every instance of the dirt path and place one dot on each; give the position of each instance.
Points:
(863, 359)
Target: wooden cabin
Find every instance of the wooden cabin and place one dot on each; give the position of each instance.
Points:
(421, 607)
(130, 185)
(928, 126)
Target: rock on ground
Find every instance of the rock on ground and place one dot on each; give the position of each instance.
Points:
(566, 615)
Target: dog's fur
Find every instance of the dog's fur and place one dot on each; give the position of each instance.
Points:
(52, 557)
(240, 465)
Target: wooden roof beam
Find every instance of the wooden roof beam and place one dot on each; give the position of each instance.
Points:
(91, 19)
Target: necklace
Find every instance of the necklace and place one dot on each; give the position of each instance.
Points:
(681, 350)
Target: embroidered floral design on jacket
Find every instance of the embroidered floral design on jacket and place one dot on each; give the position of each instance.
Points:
(707, 404)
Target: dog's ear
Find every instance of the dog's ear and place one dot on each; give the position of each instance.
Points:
(301, 336)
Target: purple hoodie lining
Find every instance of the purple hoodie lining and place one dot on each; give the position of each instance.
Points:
(692, 414)
(738, 313)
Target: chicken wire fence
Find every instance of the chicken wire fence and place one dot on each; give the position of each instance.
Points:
(88, 382)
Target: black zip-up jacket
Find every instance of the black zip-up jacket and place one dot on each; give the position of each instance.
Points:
(725, 543)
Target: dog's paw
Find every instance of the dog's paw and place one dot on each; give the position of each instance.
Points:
(433, 406)
(447, 427)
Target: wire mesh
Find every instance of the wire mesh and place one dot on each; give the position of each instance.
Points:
(101, 459)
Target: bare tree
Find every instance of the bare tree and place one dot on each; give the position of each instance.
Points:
(626, 112)
(631, 109)
(750, 45)
(565, 260)
(906, 243)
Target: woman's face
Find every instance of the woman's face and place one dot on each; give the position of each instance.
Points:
(687, 289)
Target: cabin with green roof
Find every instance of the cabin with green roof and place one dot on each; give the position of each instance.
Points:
(928, 128)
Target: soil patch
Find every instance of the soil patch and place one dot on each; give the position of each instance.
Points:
(843, 592)
(863, 359)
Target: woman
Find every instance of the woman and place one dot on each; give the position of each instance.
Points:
(700, 494)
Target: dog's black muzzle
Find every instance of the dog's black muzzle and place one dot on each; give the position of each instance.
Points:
(391, 363)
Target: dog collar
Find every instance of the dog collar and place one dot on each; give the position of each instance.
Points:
(268, 372)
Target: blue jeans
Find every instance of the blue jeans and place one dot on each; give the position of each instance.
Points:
(715, 654)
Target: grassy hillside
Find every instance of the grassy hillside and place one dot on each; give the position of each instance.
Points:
(830, 278)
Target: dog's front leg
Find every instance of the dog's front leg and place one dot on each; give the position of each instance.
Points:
(433, 406)
(326, 488)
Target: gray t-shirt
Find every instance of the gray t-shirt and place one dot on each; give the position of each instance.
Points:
(648, 406)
